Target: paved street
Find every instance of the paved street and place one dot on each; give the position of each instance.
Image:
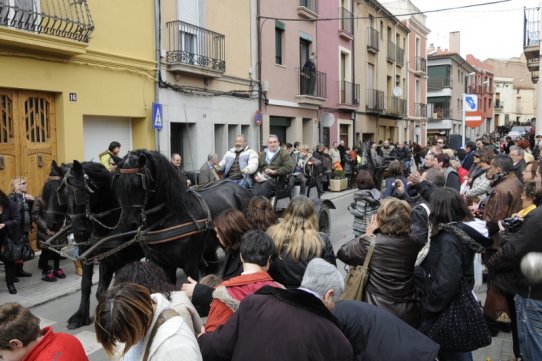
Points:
(55, 302)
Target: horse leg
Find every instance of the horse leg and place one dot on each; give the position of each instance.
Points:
(82, 317)
(106, 275)
(210, 258)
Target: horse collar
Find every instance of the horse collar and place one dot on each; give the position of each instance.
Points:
(130, 170)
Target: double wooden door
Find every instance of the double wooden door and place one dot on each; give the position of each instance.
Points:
(27, 137)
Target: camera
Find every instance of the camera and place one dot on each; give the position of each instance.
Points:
(512, 224)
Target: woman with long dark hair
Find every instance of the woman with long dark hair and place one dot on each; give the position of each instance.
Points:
(10, 231)
(449, 261)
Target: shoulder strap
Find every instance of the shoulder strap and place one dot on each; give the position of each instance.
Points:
(369, 253)
(162, 317)
(426, 207)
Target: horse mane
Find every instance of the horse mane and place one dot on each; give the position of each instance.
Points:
(97, 172)
(166, 182)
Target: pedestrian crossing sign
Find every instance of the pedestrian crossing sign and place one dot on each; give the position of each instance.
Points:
(157, 116)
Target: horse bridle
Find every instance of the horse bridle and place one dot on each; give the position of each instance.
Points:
(82, 196)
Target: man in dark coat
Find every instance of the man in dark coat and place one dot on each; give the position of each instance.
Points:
(468, 161)
(517, 154)
(287, 325)
(372, 330)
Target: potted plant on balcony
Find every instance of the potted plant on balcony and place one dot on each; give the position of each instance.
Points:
(339, 182)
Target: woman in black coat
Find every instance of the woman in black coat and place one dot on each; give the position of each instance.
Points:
(230, 226)
(24, 203)
(10, 231)
(450, 258)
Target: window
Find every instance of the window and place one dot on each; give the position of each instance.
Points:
(279, 39)
(304, 51)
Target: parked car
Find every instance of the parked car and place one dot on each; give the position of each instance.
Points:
(518, 131)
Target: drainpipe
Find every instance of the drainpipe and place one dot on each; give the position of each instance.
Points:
(259, 60)
(353, 67)
(157, 26)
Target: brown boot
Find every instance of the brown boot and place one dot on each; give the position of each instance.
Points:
(78, 268)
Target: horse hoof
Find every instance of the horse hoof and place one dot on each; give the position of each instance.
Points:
(77, 323)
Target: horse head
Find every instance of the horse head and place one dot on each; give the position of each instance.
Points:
(74, 192)
(146, 183)
(56, 209)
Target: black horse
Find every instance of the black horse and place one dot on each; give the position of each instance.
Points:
(86, 197)
(175, 222)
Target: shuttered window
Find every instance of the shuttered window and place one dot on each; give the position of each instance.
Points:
(99, 132)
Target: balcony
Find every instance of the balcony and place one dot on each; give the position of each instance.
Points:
(375, 101)
(395, 106)
(347, 23)
(392, 55)
(308, 9)
(499, 105)
(531, 40)
(437, 84)
(420, 110)
(438, 111)
(421, 65)
(312, 87)
(195, 50)
(64, 27)
(372, 40)
(349, 93)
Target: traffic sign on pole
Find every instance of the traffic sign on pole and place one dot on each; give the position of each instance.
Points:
(470, 102)
(157, 117)
(474, 119)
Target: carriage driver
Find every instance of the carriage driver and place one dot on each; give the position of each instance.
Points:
(303, 162)
(239, 163)
(274, 162)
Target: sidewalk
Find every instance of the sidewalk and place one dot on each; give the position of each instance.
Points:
(32, 291)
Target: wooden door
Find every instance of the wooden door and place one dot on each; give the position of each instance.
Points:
(27, 137)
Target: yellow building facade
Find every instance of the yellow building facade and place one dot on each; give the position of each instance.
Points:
(71, 81)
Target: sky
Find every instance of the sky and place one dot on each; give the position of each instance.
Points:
(491, 31)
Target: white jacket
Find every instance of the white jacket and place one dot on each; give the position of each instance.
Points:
(173, 341)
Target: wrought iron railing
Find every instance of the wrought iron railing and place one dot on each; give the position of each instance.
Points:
(421, 64)
(399, 55)
(312, 5)
(312, 83)
(69, 19)
(191, 45)
(349, 93)
(420, 110)
(531, 27)
(499, 104)
(347, 21)
(372, 39)
(375, 100)
(392, 54)
(438, 111)
(395, 106)
(439, 83)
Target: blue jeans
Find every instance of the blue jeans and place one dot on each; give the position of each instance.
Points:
(454, 356)
(529, 318)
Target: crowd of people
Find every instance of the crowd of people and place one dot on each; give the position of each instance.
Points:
(432, 224)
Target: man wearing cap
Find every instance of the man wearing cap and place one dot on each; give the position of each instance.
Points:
(110, 157)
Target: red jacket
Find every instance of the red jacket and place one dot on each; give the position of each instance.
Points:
(56, 346)
(226, 297)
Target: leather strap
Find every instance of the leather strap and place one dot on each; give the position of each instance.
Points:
(369, 253)
(162, 317)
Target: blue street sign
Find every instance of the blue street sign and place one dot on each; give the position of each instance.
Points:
(470, 102)
(157, 116)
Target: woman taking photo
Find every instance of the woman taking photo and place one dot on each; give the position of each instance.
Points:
(143, 325)
(298, 241)
(10, 232)
(391, 279)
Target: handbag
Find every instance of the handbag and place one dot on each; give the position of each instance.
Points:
(10, 251)
(27, 253)
(461, 327)
(162, 317)
(357, 276)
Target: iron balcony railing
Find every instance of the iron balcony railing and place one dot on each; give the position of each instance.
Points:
(499, 104)
(191, 45)
(347, 21)
(69, 19)
(349, 93)
(375, 100)
(421, 64)
(399, 55)
(395, 106)
(392, 55)
(439, 83)
(372, 39)
(531, 27)
(438, 111)
(420, 110)
(312, 5)
(312, 83)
